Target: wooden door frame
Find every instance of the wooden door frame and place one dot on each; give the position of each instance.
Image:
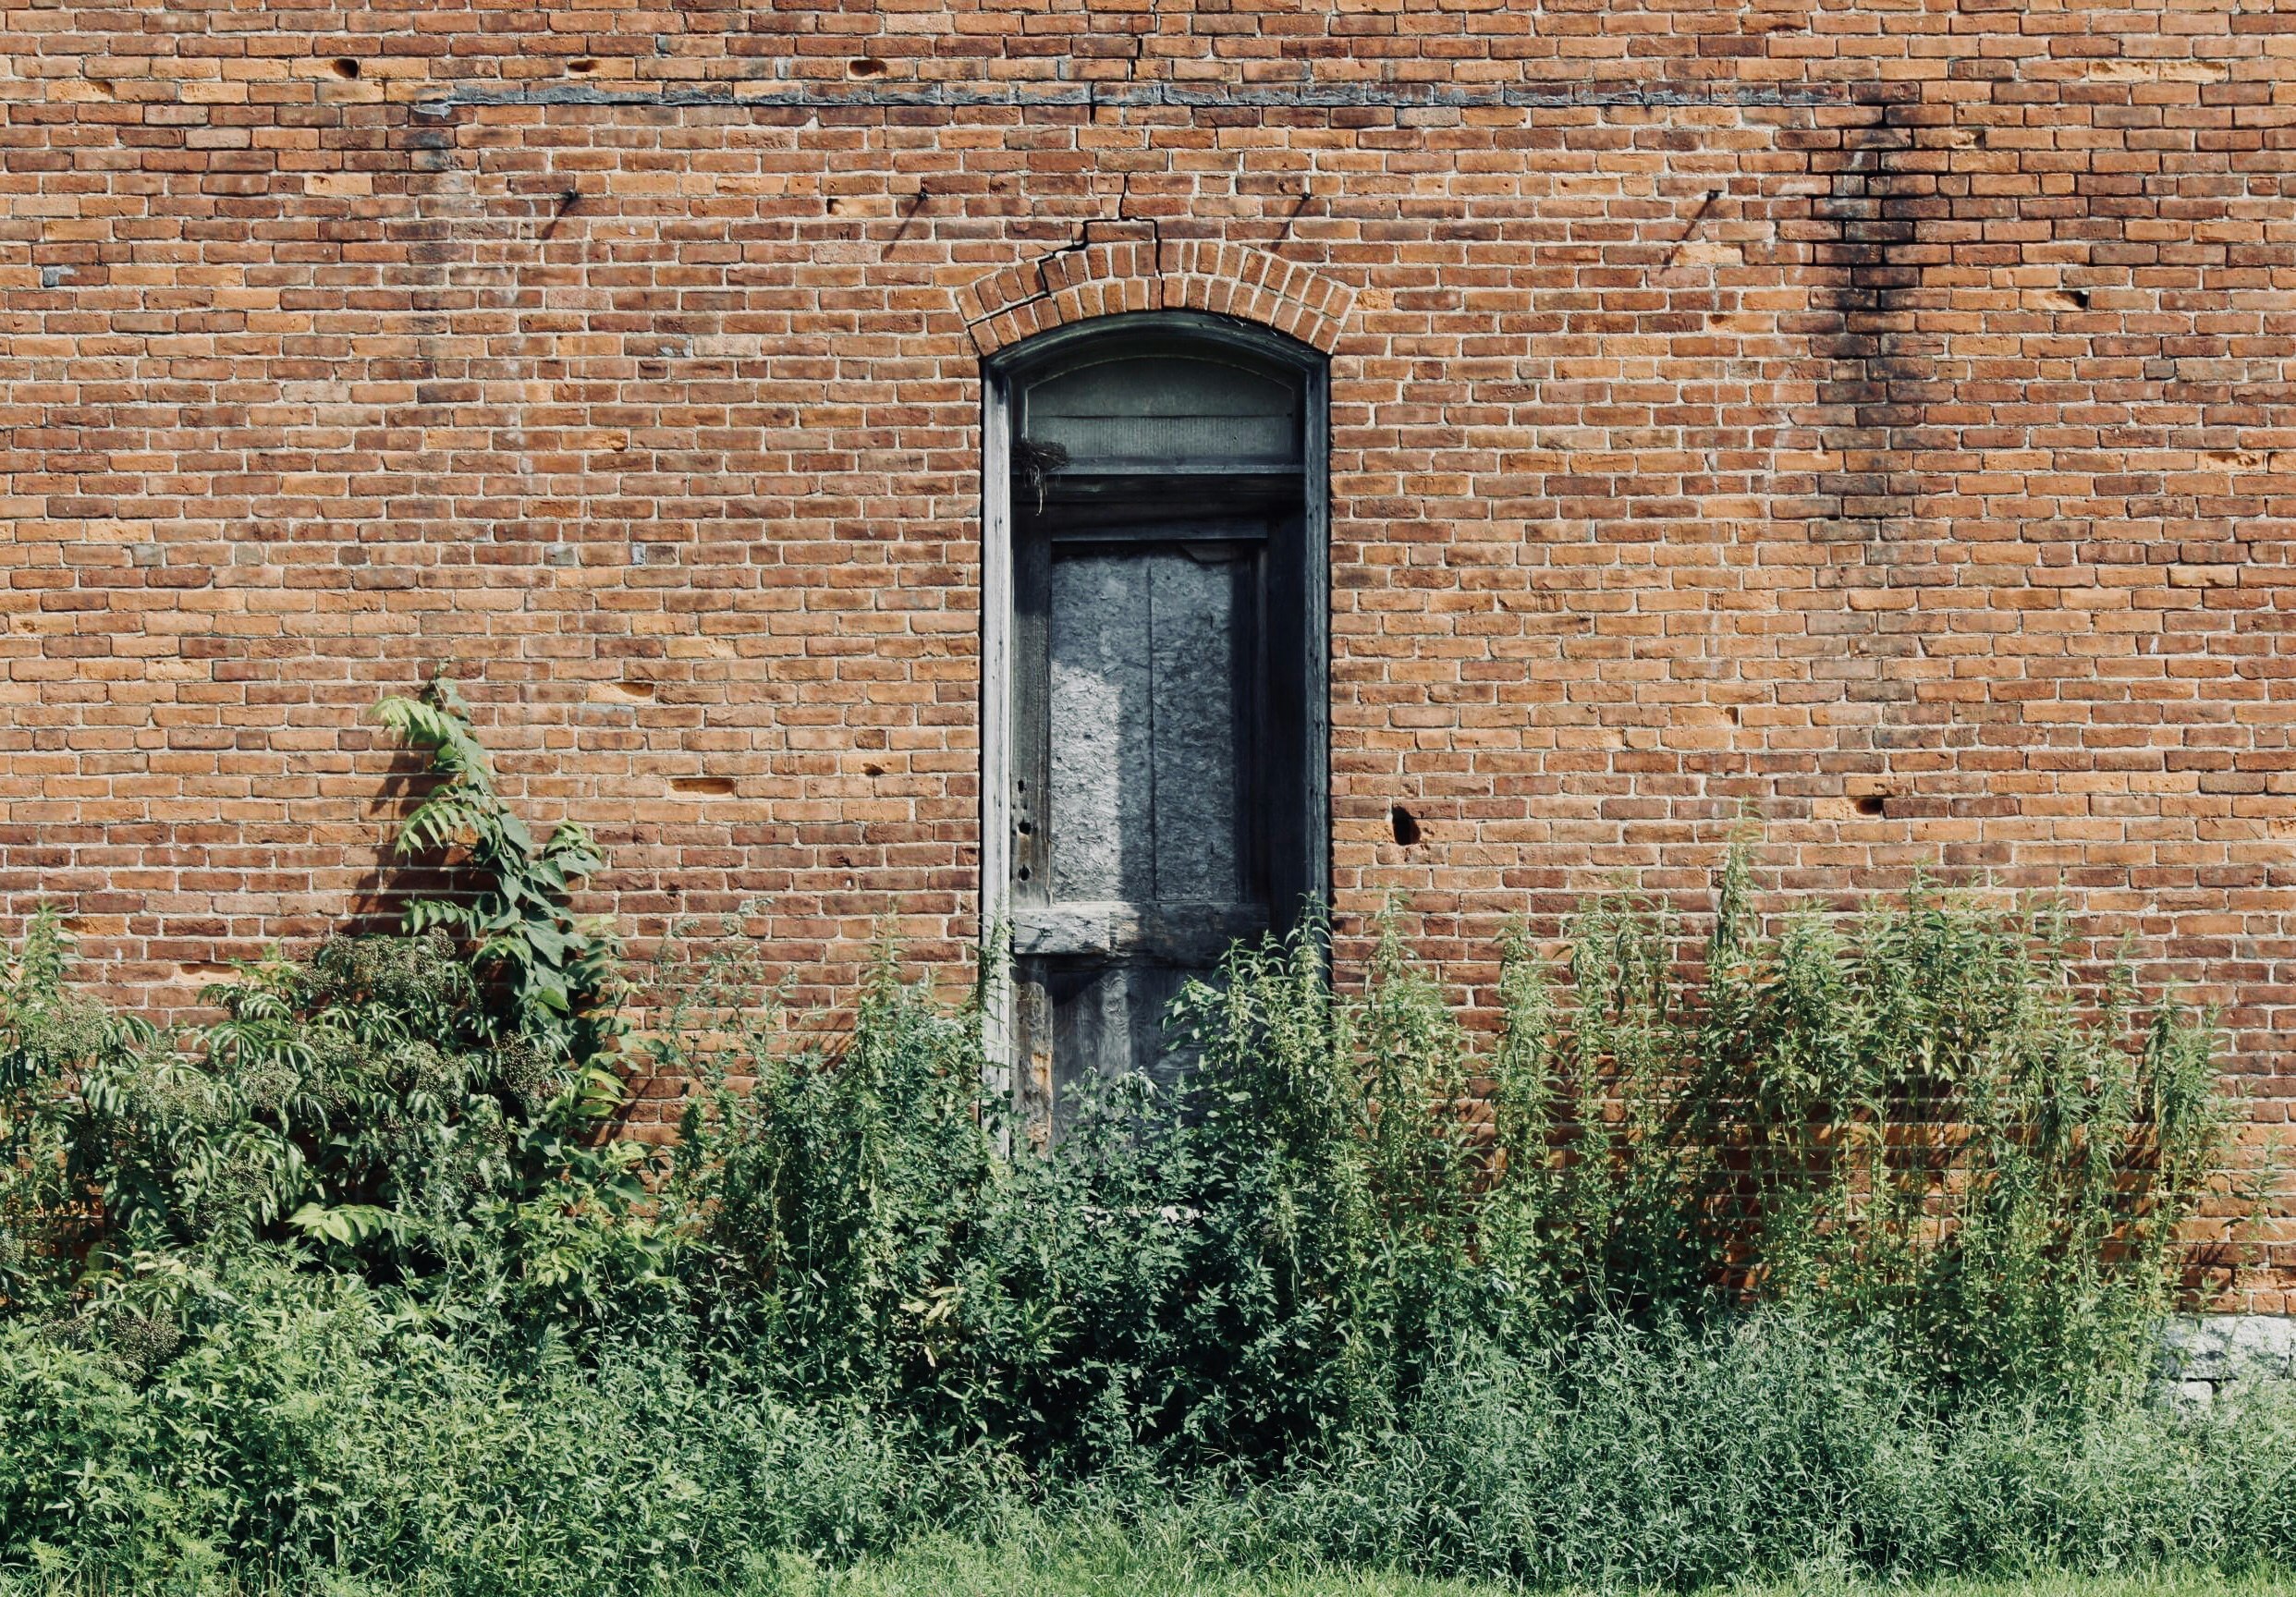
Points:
(999, 373)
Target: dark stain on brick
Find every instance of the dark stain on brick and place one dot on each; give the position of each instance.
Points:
(1867, 256)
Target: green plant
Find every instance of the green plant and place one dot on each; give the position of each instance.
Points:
(55, 1047)
(355, 1106)
(836, 1192)
(418, 1109)
(559, 978)
(1926, 1114)
(1805, 1246)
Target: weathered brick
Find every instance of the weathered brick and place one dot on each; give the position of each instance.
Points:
(1874, 420)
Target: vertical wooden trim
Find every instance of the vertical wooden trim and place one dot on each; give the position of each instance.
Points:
(997, 616)
(1316, 578)
(1027, 759)
(1029, 1044)
(1248, 714)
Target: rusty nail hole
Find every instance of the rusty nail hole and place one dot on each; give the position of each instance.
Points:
(581, 64)
(1872, 804)
(865, 66)
(343, 66)
(1405, 825)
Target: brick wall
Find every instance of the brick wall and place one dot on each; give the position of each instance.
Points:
(1873, 418)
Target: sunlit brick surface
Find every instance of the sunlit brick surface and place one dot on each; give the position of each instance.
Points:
(1870, 419)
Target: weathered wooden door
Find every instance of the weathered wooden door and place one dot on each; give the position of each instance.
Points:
(1166, 778)
(1137, 858)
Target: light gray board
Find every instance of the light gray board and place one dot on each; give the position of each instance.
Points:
(1191, 934)
(1100, 813)
(1145, 803)
(1193, 640)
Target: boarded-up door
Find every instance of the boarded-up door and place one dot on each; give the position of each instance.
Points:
(1165, 773)
(1140, 830)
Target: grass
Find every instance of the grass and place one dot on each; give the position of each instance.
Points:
(1110, 1567)
(1110, 1564)
(950, 1568)
(2158, 1583)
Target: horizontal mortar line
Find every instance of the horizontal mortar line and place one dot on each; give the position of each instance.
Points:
(1336, 96)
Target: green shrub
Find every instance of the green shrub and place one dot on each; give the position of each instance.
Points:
(1920, 1116)
(1837, 1243)
(307, 1427)
(391, 1105)
(1922, 1123)
(1771, 1443)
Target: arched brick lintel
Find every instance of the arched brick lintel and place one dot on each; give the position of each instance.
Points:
(1135, 271)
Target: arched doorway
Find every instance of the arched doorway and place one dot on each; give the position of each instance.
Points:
(1156, 675)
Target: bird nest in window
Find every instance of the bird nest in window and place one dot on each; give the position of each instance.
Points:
(1034, 463)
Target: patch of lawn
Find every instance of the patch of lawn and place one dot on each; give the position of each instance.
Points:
(1110, 1564)
(1104, 1566)
(2151, 1583)
(1066, 1562)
